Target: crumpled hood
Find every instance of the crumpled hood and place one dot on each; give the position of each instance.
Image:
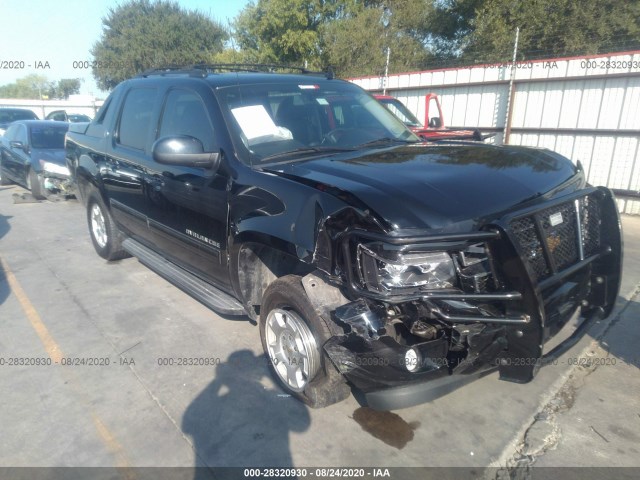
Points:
(432, 186)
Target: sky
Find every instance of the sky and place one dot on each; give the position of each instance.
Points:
(50, 35)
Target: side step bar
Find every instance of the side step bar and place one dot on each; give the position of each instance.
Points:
(202, 291)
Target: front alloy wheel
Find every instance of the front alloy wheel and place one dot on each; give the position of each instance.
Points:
(292, 335)
(292, 348)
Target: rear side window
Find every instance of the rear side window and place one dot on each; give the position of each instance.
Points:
(135, 120)
(184, 113)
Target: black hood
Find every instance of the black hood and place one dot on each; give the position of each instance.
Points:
(424, 186)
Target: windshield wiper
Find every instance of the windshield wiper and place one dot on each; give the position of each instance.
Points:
(306, 151)
(383, 142)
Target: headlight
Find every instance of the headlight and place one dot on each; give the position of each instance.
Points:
(383, 270)
(54, 168)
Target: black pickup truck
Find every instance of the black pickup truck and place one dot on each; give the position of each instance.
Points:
(369, 258)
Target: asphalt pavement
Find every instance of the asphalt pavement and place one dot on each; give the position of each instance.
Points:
(148, 377)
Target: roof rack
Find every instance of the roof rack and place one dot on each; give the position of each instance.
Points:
(202, 69)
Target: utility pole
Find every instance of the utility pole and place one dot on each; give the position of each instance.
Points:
(386, 21)
(386, 72)
(510, 97)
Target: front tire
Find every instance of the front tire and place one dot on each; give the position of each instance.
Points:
(292, 336)
(4, 180)
(34, 184)
(105, 236)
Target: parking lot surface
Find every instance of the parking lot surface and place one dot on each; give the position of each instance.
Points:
(108, 365)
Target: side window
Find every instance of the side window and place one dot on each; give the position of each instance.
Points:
(185, 114)
(21, 134)
(10, 134)
(135, 120)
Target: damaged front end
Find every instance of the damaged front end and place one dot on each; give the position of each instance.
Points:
(58, 185)
(56, 179)
(428, 313)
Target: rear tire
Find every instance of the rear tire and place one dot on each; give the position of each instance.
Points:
(105, 236)
(292, 335)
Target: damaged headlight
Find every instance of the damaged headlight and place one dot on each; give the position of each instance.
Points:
(54, 168)
(384, 270)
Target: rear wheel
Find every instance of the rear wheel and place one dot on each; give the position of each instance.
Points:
(105, 236)
(292, 336)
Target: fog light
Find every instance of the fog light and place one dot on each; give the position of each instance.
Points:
(412, 359)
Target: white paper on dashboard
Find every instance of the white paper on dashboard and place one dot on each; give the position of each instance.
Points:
(255, 122)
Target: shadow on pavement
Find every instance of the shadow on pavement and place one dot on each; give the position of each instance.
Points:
(236, 421)
(622, 337)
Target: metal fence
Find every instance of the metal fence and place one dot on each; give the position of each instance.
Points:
(586, 108)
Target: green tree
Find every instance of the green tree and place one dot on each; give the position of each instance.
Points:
(64, 87)
(143, 34)
(280, 31)
(484, 30)
(32, 86)
(554, 27)
(356, 44)
(346, 34)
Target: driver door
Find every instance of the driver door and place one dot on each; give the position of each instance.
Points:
(188, 212)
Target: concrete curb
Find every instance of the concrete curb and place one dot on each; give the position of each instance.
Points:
(512, 453)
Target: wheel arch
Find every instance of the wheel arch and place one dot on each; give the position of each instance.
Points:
(259, 261)
(87, 178)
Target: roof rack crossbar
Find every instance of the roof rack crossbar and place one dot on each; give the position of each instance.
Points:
(202, 69)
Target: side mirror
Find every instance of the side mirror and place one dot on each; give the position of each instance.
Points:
(435, 122)
(185, 151)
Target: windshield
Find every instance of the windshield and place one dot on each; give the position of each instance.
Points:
(48, 137)
(290, 121)
(401, 111)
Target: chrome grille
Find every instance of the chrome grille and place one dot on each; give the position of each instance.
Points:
(559, 236)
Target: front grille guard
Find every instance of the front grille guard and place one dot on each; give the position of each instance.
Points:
(526, 299)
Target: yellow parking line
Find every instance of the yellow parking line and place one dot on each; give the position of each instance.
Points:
(56, 355)
(52, 349)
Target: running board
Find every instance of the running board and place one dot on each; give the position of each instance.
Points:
(202, 291)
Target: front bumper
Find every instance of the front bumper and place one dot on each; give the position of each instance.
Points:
(551, 259)
(57, 183)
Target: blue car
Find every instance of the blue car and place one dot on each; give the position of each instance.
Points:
(32, 154)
